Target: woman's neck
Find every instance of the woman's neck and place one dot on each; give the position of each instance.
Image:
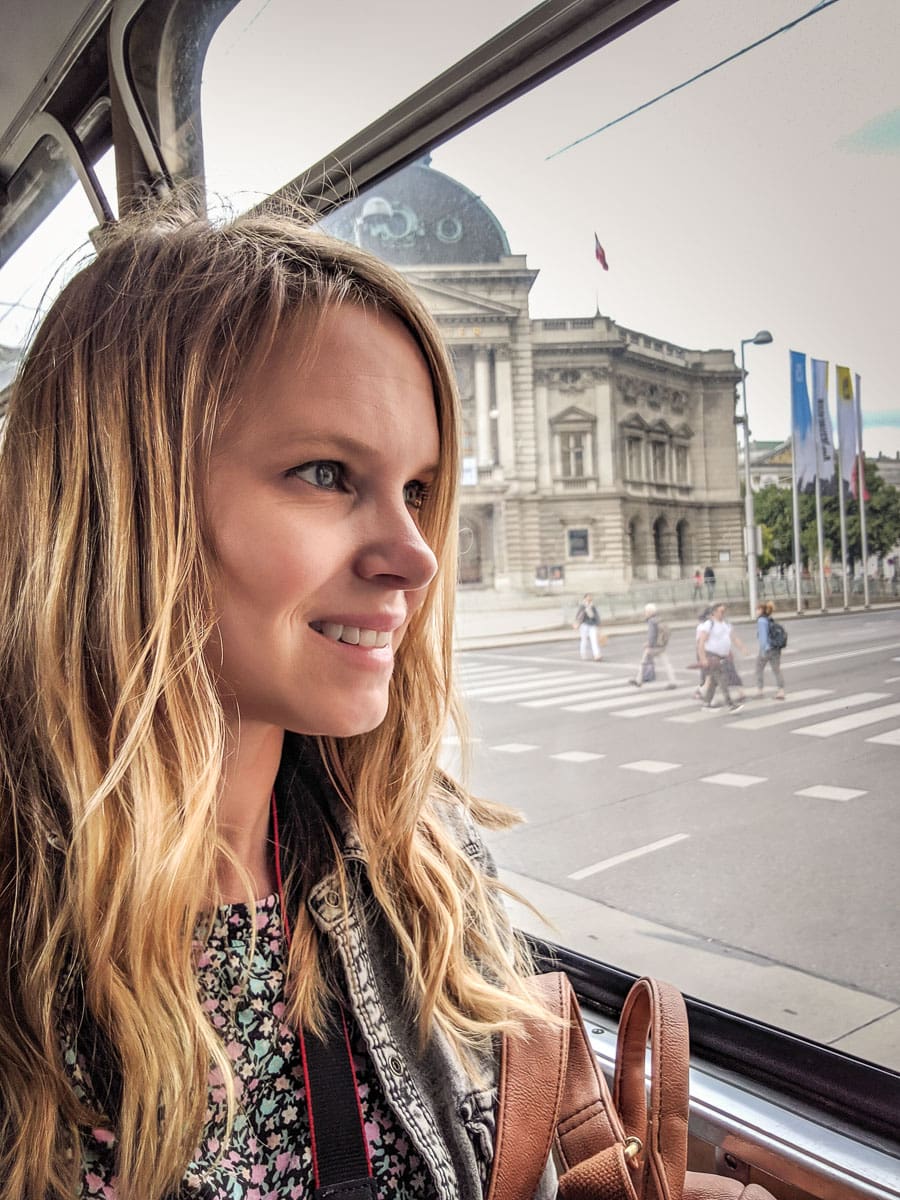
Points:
(244, 810)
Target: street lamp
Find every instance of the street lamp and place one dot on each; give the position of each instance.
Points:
(763, 338)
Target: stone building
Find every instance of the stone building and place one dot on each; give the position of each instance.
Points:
(588, 447)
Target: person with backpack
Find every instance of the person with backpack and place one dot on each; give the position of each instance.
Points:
(654, 651)
(772, 639)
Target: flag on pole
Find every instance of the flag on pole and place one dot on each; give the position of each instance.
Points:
(803, 448)
(600, 253)
(846, 424)
(861, 455)
(824, 438)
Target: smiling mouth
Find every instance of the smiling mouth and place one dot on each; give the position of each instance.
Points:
(352, 635)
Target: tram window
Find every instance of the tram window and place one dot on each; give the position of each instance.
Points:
(303, 82)
(31, 277)
(761, 194)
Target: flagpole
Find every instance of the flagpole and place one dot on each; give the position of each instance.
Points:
(796, 500)
(843, 516)
(861, 491)
(820, 533)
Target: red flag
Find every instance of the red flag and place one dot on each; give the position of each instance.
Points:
(600, 254)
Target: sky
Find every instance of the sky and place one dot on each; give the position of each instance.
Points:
(762, 195)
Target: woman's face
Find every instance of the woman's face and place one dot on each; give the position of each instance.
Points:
(314, 500)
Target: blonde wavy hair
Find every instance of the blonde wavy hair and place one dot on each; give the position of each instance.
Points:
(111, 730)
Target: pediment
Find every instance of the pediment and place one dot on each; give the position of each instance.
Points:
(661, 426)
(684, 431)
(573, 415)
(443, 301)
(636, 422)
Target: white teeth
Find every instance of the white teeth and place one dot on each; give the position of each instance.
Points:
(353, 636)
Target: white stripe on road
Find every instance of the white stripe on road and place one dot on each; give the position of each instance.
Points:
(586, 691)
(521, 684)
(664, 706)
(704, 714)
(728, 779)
(625, 697)
(493, 686)
(628, 856)
(808, 710)
(651, 766)
(823, 792)
(577, 756)
(515, 747)
(809, 662)
(852, 721)
(892, 738)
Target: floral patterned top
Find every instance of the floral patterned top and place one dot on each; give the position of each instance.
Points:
(269, 1157)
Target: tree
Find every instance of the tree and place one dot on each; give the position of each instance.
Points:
(773, 511)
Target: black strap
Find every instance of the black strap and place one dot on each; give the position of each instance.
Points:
(340, 1154)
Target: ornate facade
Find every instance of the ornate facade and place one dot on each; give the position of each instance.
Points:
(587, 446)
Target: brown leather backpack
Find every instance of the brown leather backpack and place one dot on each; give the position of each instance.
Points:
(619, 1146)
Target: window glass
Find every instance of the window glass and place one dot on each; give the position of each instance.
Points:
(34, 274)
(285, 83)
(596, 253)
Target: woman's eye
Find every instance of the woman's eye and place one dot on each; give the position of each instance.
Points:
(321, 474)
(415, 493)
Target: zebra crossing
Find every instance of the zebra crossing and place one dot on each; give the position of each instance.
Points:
(605, 689)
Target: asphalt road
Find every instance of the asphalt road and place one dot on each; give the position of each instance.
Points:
(769, 837)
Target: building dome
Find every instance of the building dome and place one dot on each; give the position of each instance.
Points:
(421, 217)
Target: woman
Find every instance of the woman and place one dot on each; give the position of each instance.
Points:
(768, 654)
(715, 646)
(587, 622)
(227, 562)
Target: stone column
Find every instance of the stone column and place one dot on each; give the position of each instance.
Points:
(483, 408)
(605, 433)
(542, 423)
(503, 392)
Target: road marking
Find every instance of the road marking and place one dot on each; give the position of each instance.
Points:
(665, 706)
(623, 697)
(520, 685)
(704, 714)
(453, 739)
(892, 738)
(652, 766)
(852, 721)
(576, 756)
(494, 686)
(823, 792)
(809, 662)
(628, 856)
(727, 779)
(807, 710)
(598, 688)
(514, 748)
(893, 679)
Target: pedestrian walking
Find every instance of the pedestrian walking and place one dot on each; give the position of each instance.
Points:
(697, 593)
(716, 642)
(704, 672)
(655, 653)
(769, 654)
(709, 578)
(587, 622)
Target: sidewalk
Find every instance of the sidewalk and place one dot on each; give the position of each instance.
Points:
(490, 620)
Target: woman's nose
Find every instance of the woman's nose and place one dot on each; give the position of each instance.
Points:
(397, 553)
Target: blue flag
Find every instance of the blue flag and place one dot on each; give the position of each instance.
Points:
(803, 445)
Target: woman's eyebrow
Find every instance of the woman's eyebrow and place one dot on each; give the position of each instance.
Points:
(331, 442)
